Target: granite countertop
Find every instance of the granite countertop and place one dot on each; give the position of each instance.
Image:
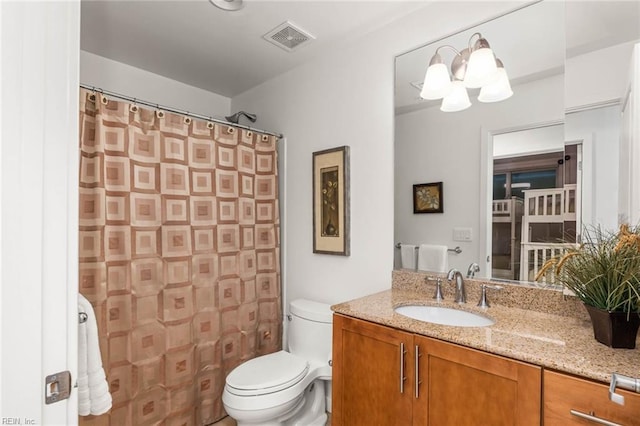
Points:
(537, 326)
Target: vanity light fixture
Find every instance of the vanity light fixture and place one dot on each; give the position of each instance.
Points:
(473, 67)
(229, 5)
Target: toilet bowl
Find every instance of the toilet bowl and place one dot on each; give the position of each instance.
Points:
(286, 387)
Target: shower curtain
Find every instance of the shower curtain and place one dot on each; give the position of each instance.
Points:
(179, 256)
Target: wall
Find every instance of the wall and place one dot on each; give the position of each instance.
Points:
(593, 79)
(532, 141)
(602, 126)
(124, 79)
(448, 149)
(598, 76)
(346, 98)
(629, 201)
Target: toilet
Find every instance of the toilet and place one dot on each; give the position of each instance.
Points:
(287, 387)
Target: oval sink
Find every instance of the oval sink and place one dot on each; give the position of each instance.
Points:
(444, 316)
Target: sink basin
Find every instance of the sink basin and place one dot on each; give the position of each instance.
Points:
(444, 316)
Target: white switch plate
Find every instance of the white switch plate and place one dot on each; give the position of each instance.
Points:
(462, 234)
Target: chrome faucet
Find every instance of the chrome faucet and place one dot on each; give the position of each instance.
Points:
(473, 268)
(461, 293)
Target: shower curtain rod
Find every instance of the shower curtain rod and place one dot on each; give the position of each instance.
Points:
(174, 110)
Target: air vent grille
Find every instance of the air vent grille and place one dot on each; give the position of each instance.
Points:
(287, 36)
(418, 84)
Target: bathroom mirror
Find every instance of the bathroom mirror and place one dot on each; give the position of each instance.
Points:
(545, 48)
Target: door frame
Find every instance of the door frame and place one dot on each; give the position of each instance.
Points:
(39, 205)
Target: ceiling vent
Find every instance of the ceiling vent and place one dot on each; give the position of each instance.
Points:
(287, 36)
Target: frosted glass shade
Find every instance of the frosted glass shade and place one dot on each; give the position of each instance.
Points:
(498, 90)
(437, 83)
(482, 68)
(457, 100)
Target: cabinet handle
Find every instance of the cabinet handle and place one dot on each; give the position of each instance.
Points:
(417, 370)
(593, 418)
(402, 377)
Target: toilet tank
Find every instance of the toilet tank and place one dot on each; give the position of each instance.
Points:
(309, 331)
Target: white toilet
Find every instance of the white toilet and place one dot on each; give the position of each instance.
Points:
(286, 388)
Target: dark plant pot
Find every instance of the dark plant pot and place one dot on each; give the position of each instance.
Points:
(614, 329)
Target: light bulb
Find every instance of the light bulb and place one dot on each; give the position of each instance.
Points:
(482, 68)
(499, 90)
(437, 83)
(457, 100)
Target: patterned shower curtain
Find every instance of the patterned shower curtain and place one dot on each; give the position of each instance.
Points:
(179, 256)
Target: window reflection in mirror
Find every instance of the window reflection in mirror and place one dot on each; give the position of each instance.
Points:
(531, 217)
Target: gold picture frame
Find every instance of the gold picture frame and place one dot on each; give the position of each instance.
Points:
(331, 201)
(427, 198)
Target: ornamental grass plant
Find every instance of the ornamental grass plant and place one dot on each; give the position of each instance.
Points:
(604, 271)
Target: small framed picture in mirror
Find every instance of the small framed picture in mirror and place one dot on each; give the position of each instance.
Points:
(427, 198)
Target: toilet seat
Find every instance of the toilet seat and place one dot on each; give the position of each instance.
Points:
(267, 374)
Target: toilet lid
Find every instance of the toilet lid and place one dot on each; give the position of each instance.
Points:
(267, 374)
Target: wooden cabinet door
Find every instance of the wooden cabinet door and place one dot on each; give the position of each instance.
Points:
(370, 362)
(465, 386)
(566, 398)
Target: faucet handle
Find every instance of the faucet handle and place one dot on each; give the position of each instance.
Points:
(438, 296)
(473, 268)
(484, 302)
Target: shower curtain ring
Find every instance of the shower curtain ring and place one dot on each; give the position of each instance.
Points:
(133, 108)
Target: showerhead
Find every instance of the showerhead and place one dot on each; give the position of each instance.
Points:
(235, 118)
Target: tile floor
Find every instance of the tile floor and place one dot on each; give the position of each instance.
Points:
(228, 421)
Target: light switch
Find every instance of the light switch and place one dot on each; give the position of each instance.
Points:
(462, 234)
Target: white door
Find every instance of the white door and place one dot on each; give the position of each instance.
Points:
(38, 200)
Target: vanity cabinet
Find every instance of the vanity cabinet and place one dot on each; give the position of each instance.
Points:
(384, 376)
(372, 375)
(466, 386)
(570, 400)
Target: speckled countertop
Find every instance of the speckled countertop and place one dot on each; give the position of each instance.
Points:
(535, 325)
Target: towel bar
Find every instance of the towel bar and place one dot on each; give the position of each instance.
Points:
(456, 250)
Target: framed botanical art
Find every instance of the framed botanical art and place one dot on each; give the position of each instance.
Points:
(331, 201)
(427, 198)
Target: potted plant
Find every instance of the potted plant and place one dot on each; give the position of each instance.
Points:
(604, 273)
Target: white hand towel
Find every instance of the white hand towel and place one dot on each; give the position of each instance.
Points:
(433, 258)
(408, 256)
(93, 390)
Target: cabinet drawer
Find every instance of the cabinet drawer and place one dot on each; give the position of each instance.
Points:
(563, 393)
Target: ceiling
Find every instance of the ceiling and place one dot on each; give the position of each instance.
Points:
(223, 52)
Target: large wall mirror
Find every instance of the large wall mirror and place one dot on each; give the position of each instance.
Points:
(526, 175)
